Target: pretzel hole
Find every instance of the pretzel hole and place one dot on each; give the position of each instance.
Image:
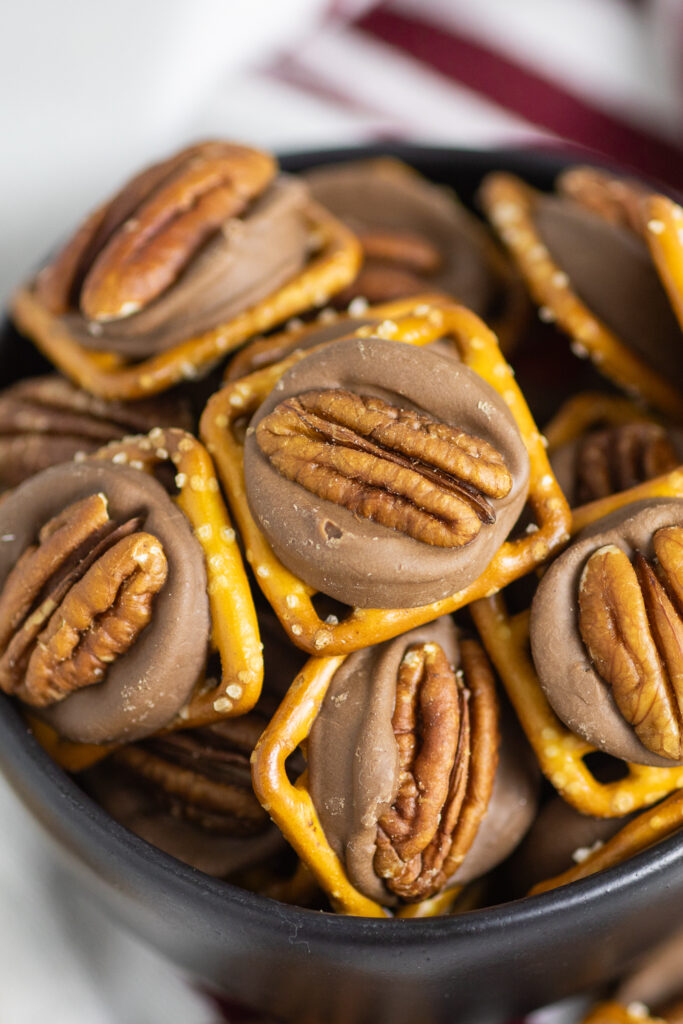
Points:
(604, 768)
(330, 611)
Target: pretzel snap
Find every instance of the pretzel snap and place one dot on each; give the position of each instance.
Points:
(235, 632)
(234, 626)
(510, 204)
(561, 754)
(289, 596)
(447, 751)
(110, 376)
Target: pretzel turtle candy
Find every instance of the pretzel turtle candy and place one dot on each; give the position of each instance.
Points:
(290, 598)
(637, 835)
(509, 204)
(417, 235)
(560, 752)
(600, 443)
(234, 626)
(38, 307)
(291, 804)
(657, 218)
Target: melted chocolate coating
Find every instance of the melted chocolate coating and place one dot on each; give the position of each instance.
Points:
(353, 767)
(578, 695)
(366, 564)
(144, 688)
(249, 259)
(611, 270)
(388, 195)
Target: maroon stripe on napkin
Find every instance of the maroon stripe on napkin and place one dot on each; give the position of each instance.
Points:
(524, 92)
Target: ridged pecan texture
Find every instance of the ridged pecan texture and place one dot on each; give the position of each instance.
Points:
(76, 601)
(630, 617)
(134, 247)
(447, 736)
(398, 467)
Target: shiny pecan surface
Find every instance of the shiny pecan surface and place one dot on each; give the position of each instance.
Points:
(447, 735)
(75, 601)
(631, 621)
(46, 420)
(397, 467)
(203, 775)
(134, 247)
(620, 457)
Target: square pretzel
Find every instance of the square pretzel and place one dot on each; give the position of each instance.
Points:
(292, 809)
(234, 626)
(110, 376)
(289, 596)
(559, 751)
(508, 202)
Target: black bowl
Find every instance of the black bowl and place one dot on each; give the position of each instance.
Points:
(306, 966)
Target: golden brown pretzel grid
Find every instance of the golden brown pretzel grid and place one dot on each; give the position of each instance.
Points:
(235, 633)
(415, 323)
(508, 202)
(107, 375)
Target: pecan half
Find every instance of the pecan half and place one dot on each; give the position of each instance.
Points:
(76, 601)
(203, 775)
(133, 248)
(396, 264)
(620, 457)
(46, 420)
(631, 621)
(395, 466)
(447, 737)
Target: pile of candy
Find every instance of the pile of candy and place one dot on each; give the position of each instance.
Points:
(327, 646)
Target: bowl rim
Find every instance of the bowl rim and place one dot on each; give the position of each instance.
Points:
(86, 830)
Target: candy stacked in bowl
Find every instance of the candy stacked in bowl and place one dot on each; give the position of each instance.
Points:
(341, 570)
